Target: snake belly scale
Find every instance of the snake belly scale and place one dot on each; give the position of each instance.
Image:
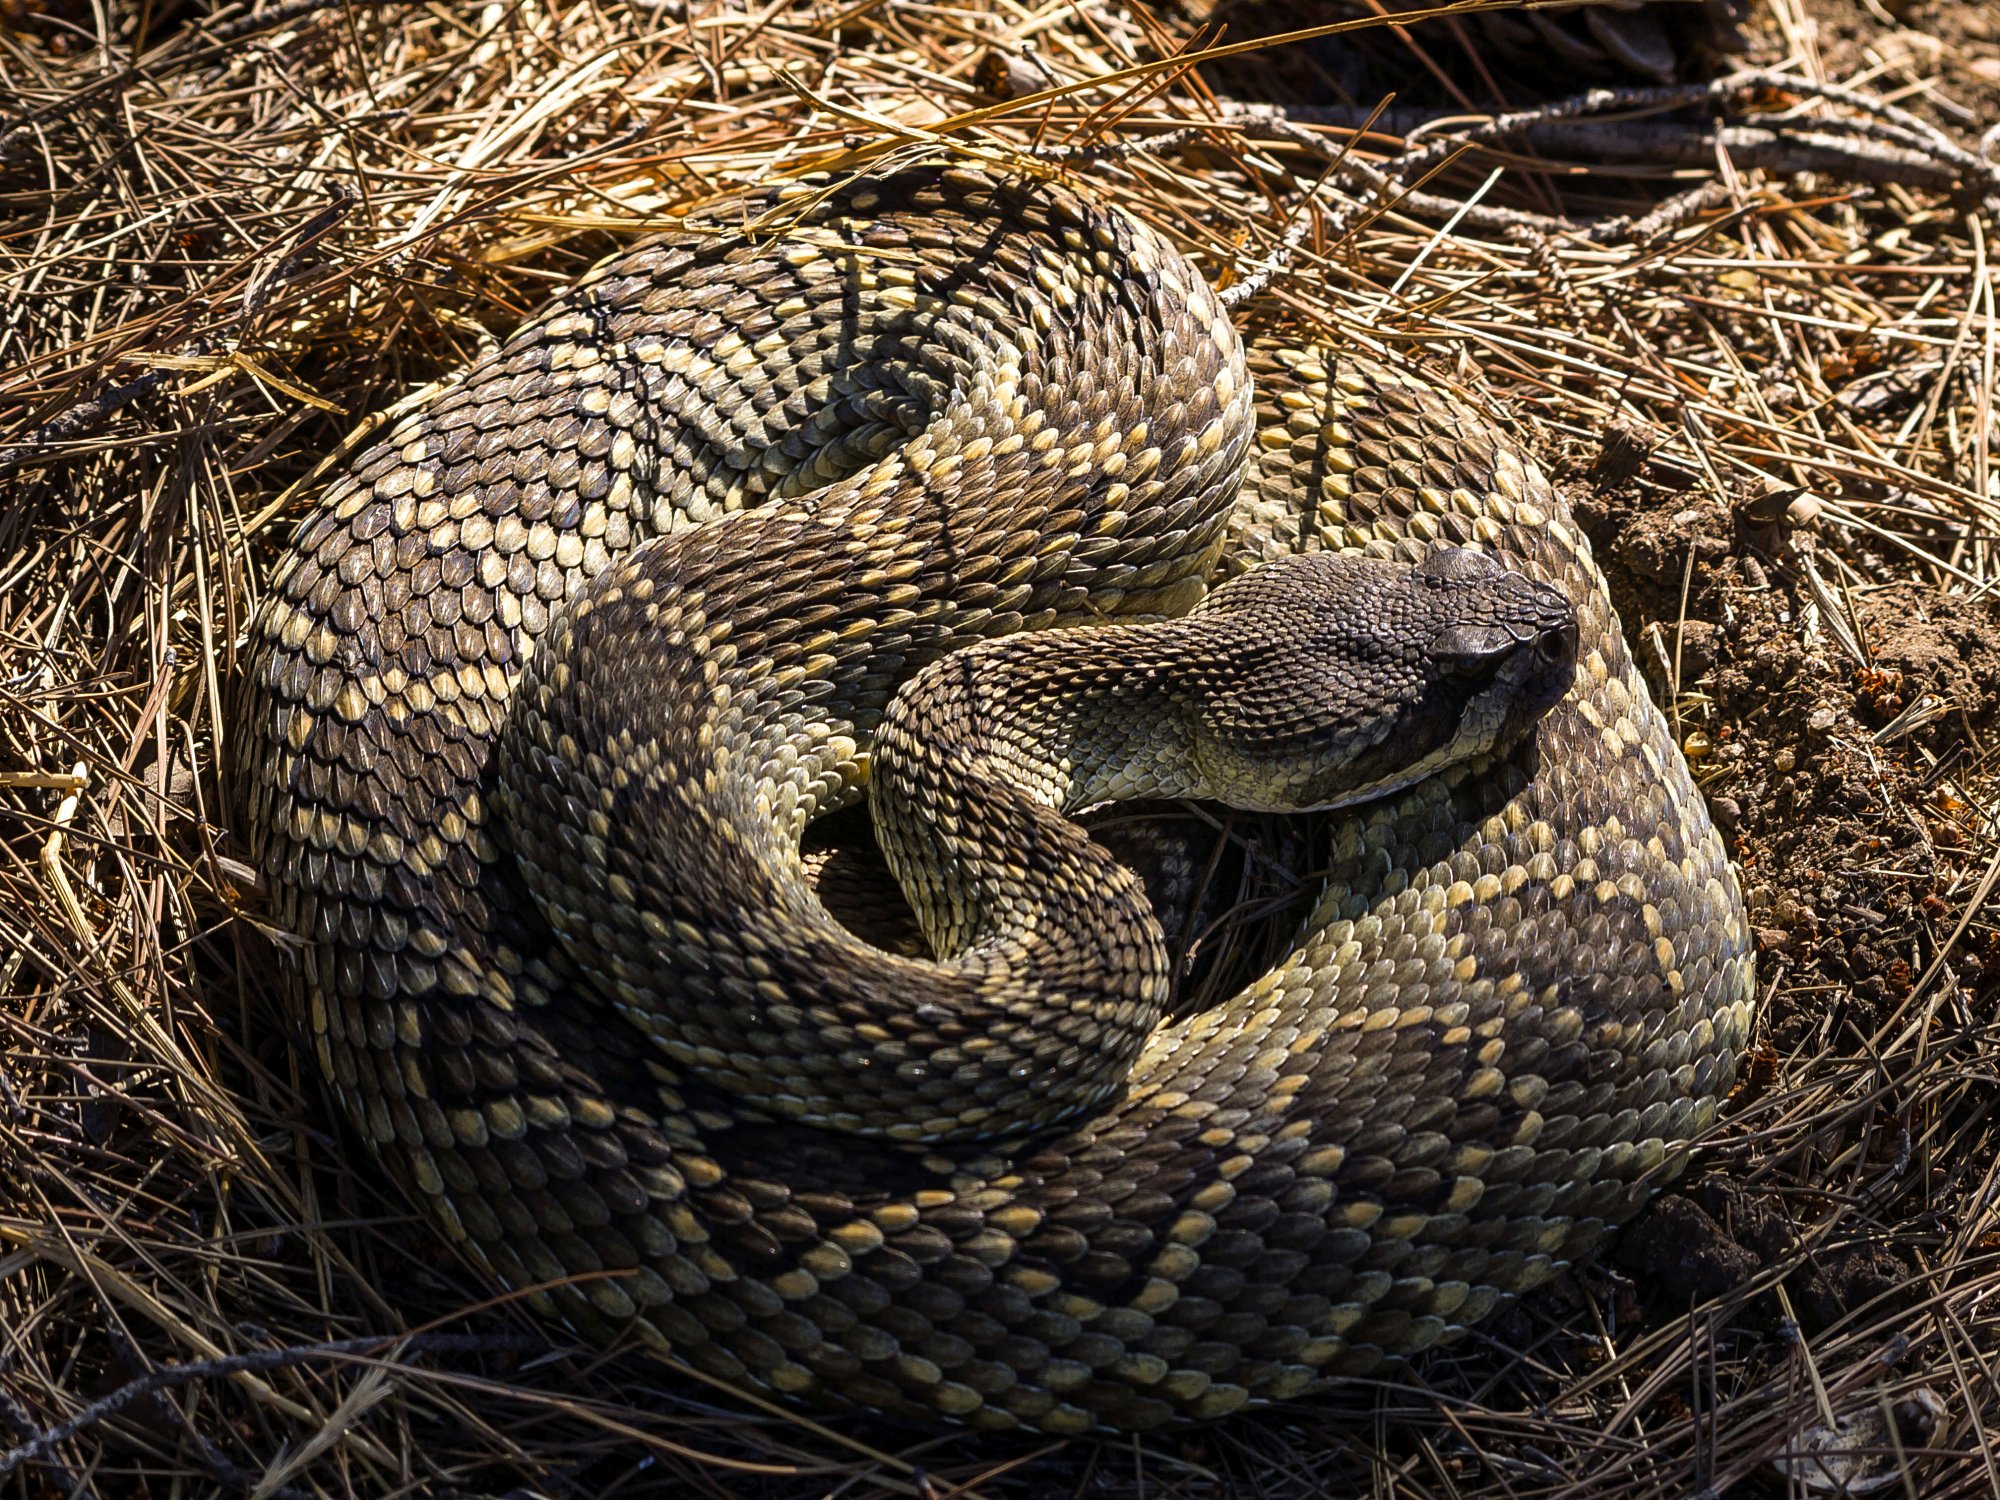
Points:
(980, 406)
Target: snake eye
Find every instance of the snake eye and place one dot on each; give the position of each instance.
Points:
(1469, 653)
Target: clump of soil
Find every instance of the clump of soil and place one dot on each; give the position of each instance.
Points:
(1813, 759)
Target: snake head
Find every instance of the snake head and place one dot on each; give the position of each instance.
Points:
(1369, 675)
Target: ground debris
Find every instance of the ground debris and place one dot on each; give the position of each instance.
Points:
(230, 233)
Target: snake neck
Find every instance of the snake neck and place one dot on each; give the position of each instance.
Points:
(979, 762)
(1311, 682)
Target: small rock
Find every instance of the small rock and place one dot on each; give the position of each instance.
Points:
(1849, 1277)
(1627, 445)
(1792, 913)
(1009, 75)
(1686, 1253)
(1700, 645)
(1861, 1453)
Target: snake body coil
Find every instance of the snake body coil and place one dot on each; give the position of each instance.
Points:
(879, 423)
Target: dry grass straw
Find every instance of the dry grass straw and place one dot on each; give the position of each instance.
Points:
(224, 243)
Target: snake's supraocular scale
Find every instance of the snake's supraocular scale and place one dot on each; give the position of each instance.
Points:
(565, 972)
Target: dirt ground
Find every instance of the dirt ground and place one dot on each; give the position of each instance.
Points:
(176, 1279)
(1832, 777)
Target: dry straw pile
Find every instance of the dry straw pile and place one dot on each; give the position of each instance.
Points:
(227, 237)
